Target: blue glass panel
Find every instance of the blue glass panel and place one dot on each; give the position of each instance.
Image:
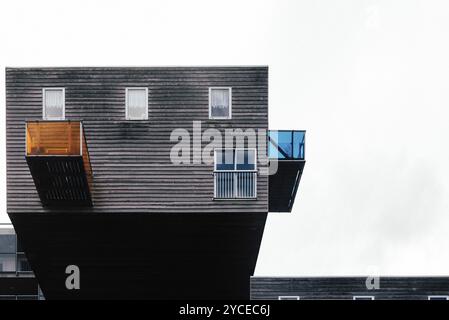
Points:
(286, 144)
(298, 144)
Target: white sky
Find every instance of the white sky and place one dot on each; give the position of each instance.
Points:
(367, 79)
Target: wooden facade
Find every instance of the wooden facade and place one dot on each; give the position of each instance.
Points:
(154, 230)
(346, 288)
(132, 171)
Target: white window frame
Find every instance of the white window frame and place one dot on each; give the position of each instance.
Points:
(44, 117)
(363, 298)
(289, 298)
(126, 103)
(437, 297)
(210, 103)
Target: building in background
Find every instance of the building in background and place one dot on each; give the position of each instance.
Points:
(17, 280)
(350, 288)
(91, 181)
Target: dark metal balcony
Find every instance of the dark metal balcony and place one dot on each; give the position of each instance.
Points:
(58, 158)
(287, 149)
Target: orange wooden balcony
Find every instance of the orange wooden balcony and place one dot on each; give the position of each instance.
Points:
(58, 158)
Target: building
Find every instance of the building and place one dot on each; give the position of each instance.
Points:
(17, 281)
(107, 172)
(350, 288)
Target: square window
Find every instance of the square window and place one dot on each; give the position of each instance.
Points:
(136, 103)
(53, 103)
(220, 103)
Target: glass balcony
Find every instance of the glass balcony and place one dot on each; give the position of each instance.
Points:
(286, 144)
(287, 149)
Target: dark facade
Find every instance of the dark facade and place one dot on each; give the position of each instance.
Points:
(131, 158)
(17, 281)
(111, 201)
(349, 288)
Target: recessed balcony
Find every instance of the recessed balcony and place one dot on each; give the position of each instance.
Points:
(58, 158)
(287, 149)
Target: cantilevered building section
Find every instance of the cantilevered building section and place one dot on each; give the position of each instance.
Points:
(91, 181)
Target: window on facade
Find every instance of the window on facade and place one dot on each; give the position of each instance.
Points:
(288, 298)
(22, 263)
(235, 159)
(8, 262)
(53, 103)
(235, 174)
(7, 243)
(136, 103)
(220, 103)
(438, 297)
(245, 159)
(363, 298)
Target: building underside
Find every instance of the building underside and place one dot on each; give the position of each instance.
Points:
(143, 256)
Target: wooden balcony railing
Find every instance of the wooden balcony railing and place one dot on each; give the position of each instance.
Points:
(54, 138)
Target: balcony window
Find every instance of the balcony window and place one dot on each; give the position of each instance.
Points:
(53, 103)
(220, 103)
(235, 175)
(136, 103)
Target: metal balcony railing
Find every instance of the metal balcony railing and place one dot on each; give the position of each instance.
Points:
(286, 144)
(235, 184)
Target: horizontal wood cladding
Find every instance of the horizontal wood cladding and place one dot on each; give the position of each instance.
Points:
(309, 288)
(131, 159)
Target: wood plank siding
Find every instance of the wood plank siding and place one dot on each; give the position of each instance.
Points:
(132, 171)
(345, 288)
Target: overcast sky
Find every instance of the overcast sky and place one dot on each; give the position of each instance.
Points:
(367, 79)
